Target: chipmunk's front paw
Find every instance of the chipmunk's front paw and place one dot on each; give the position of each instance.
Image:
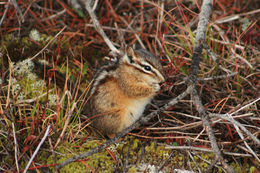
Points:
(156, 87)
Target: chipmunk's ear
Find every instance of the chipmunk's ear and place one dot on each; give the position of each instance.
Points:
(130, 51)
(130, 55)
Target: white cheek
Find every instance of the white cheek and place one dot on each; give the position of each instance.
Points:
(149, 80)
(153, 82)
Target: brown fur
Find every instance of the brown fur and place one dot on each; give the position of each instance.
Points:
(120, 93)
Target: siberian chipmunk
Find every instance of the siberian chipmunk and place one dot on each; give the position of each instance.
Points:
(121, 91)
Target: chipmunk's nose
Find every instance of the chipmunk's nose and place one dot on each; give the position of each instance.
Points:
(160, 80)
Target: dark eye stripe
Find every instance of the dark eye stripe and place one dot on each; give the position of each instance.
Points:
(147, 71)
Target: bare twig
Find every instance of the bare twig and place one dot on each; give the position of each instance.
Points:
(122, 133)
(37, 149)
(256, 100)
(205, 121)
(159, 21)
(95, 5)
(218, 77)
(194, 124)
(54, 15)
(15, 149)
(205, 150)
(99, 29)
(235, 17)
(18, 10)
(228, 117)
(6, 9)
(48, 43)
(195, 163)
(200, 39)
(182, 171)
(197, 50)
(34, 99)
(133, 31)
(246, 144)
(165, 161)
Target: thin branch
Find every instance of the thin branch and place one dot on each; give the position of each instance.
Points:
(204, 150)
(246, 144)
(218, 77)
(54, 15)
(165, 161)
(125, 131)
(200, 39)
(37, 149)
(236, 16)
(133, 31)
(197, 51)
(205, 121)
(99, 29)
(6, 9)
(229, 118)
(30, 59)
(256, 100)
(18, 10)
(95, 5)
(195, 163)
(15, 149)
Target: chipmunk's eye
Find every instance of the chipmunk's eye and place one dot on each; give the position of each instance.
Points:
(147, 68)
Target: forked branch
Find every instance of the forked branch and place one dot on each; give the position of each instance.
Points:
(191, 88)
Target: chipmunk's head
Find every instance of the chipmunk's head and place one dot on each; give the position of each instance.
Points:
(145, 66)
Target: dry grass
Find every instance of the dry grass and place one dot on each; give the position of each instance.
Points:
(228, 76)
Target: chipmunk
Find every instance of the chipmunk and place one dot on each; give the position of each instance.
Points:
(121, 91)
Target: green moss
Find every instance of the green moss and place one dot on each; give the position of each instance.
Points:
(101, 161)
(252, 169)
(132, 169)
